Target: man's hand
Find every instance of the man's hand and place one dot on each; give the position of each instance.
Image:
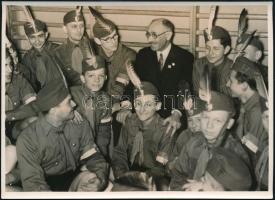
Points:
(77, 117)
(122, 115)
(173, 123)
(193, 185)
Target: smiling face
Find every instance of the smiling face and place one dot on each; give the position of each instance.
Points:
(212, 124)
(37, 40)
(158, 36)
(110, 42)
(146, 106)
(75, 31)
(94, 79)
(215, 51)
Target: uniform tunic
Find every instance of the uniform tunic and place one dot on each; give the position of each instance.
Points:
(155, 147)
(117, 74)
(39, 67)
(187, 162)
(219, 79)
(253, 126)
(64, 56)
(97, 108)
(41, 152)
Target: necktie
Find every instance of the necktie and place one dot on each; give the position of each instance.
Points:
(240, 127)
(77, 58)
(202, 163)
(41, 71)
(214, 79)
(67, 150)
(161, 61)
(137, 148)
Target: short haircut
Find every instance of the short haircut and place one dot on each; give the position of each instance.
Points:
(165, 22)
(241, 78)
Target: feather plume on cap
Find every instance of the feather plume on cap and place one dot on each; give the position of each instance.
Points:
(78, 13)
(133, 76)
(211, 20)
(99, 18)
(243, 47)
(30, 17)
(205, 88)
(243, 25)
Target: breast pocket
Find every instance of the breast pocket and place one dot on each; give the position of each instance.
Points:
(75, 146)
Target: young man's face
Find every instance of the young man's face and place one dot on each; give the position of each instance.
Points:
(251, 53)
(75, 31)
(94, 80)
(8, 70)
(234, 85)
(194, 123)
(146, 106)
(158, 36)
(265, 119)
(110, 42)
(212, 124)
(37, 40)
(65, 108)
(210, 183)
(215, 51)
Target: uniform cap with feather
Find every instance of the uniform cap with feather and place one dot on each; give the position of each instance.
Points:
(103, 27)
(243, 25)
(94, 63)
(141, 87)
(211, 20)
(32, 25)
(73, 16)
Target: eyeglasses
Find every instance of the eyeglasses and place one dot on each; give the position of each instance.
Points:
(153, 34)
(109, 39)
(146, 105)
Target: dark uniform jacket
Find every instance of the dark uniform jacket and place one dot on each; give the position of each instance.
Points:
(17, 92)
(64, 56)
(219, 80)
(97, 109)
(117, 74)
(155, 147)
(41, 152)
(186, 163)
(39, 67)
(177, 67)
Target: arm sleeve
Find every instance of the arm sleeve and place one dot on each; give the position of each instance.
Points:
(26, 91)
(32, 174)
(179, 172)
(119, 160)
(91, 155)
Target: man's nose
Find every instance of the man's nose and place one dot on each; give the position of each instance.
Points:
(73, 104)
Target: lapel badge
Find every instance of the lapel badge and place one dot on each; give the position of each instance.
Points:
(173, 64)
(169, 66)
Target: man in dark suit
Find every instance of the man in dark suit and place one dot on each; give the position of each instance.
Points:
(165, 65)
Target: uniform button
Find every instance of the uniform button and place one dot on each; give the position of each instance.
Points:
(13, 118)
(14, 103)
(56, 163)
(68, 69)
(74, 144)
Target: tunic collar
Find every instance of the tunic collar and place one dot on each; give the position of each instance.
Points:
(49, 128)
(254, 99)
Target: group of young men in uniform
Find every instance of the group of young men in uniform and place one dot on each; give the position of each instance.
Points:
(80, 121)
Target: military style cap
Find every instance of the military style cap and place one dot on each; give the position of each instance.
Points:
(245, 66)
(147, 89)
(87, 64)
(39, 26)
(72, 16)
(229, 170)
(196, 107)
(255, 41)
(51, 95)
(221, 101)
(217, 33)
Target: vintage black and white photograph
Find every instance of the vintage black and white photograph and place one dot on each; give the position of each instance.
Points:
(131, 99)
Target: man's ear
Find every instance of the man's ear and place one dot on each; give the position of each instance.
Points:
(158, 106)
(230, 123)
(258, 55)
(46, 35)
(226, 49)
(82, 78)
(65, 29)
(169, 35)
(97, 41)
(244, 86)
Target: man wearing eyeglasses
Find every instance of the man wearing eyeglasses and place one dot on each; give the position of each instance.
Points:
(165, 65)
(115, 54)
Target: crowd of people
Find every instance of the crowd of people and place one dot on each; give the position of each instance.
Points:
(92, 114)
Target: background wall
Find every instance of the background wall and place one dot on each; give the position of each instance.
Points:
(132, 21)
